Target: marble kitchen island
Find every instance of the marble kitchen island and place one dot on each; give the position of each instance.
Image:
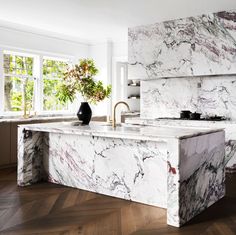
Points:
(180, 169)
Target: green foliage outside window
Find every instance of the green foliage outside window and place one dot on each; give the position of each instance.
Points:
(18, 74)
(53, 72)
(50, 101)
(17, 70)
(19, 65)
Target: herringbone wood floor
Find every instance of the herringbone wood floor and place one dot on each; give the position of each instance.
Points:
(49, 209)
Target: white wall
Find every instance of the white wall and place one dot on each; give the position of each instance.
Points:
(105, 56)
(101, 53)
(120, 49)
(32, 41)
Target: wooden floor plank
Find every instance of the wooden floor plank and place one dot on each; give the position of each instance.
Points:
(50, 209)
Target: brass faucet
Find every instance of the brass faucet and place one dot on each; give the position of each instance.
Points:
(114, 112)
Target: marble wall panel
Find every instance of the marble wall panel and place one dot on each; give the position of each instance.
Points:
(193, 46)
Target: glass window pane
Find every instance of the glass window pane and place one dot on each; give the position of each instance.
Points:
(53, 73)
(15, 64)
(15, 90)
(7, 62)
(50, 101)
(54, 68)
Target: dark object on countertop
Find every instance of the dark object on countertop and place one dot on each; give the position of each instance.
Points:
(195, 116)
(207, 118)
(185, 114)
(216, 118)
(137, 84)
(85, 113)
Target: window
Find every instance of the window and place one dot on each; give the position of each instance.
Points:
(30, 81)
(18, 82)
(53, 71)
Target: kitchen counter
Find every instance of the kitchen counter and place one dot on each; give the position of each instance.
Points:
(105, 130)
(177, 168)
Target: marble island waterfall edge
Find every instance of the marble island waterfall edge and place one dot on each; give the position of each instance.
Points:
(129, 169)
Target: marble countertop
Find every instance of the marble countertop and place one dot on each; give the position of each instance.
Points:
(4, 119)
(126, 132)
(143, 121)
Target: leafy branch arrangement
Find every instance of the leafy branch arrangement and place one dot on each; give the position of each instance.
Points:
(80, 79)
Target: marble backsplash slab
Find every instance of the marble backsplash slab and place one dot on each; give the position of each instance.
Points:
(210, 95)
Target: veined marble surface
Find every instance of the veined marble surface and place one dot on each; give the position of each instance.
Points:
(196, 176)
(228, 126)
(128, 169)
(201, 179)
(103, 129)
(193, 46)
(207, 95)
(165, 171)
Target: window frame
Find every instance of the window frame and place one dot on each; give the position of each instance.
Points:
(38, 58)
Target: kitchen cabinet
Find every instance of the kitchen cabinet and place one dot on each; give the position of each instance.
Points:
(5, 147)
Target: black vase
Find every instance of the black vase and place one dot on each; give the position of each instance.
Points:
(85, 113)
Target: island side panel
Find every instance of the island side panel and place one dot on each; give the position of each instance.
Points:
(202, 173)
(129, 169)
(173, 182)
(31, 148)
(230, 156)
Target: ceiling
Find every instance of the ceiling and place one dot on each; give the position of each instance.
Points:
(98, 20)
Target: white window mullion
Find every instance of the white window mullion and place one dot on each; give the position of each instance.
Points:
(1, 83)
(41, 83)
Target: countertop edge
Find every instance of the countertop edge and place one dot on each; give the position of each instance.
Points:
(119, 134)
